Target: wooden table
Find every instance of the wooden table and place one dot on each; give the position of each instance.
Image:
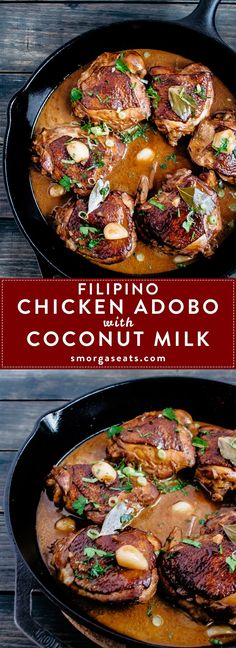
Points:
(29, 32)
(24, 397)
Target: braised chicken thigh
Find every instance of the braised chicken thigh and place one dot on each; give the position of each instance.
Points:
(180, 99)
(111, 90)
(213, 144)
(112, 568)
(184, 216)
(92, 491)
(105, 233)
(216, 461)
(158, 441)
(74, 159)
(199, 573)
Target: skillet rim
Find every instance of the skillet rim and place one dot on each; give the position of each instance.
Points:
(86, 620)
(86, 268)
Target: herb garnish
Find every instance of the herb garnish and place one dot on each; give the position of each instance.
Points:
(197, 442)
(176, 485)
(154, 95)
(169, 413)
(120, 64)
(200, 91)
(194, 543)
(153, 201)
(223, 146)
(66, 182)
(126, 518)
(96, 570)
(90, 552)
(133, 133)
(231, 562)
(187, 224)
(114, 430)
(79, 504)
(76, 94)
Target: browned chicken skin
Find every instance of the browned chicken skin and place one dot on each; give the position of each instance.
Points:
(199, 575)
(66, 484)
(214, 472)
(55, 151)
(91, 235)
(100, 577)
(161, 445)
(111, 91)
(179, 220)
(180, 99)
(213, 144)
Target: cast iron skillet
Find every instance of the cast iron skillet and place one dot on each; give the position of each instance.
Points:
(55, 435)
(194, 37)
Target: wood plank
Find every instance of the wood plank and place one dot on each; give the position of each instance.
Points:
(71, 384)
(47, 615)
(7, 562)
(24, 46)
(6, 460)
(17, 257)
(9, 85)
(18, 420)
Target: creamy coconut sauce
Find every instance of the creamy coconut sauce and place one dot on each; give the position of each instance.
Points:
(125, 176)
(178, 628)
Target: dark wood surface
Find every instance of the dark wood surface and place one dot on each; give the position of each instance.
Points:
(24, 397)
(29, 32)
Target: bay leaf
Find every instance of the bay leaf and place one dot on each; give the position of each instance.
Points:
(230, 530)
(227, 448)
(181, 102)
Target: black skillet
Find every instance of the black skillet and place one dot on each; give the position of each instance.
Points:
(194, 37)
(54, 436)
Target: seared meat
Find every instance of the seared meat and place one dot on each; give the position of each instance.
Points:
(213, 144)
(184, 216)
(76, 488)
(199, 574)
(159, 441)
(90, 567)
(106, 234)
(180, 99)
(74, 159)
(111, 90)
(215, 472)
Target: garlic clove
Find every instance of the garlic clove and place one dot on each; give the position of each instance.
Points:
(146, 154)
(104, 472)
(114, 231)
(56, 190)
(78, 151)
(130, 557)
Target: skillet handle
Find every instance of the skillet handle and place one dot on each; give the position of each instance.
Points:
(25, 585)
(203, 18)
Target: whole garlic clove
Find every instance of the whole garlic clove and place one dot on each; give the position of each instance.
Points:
(104, 472)
(130, 557)
(78, 151)
(115, 231)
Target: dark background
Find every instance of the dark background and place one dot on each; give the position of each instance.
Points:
(29, 32)
(24, 397)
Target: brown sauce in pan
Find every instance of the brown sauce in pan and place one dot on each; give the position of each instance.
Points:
(125, 176)
(178, 628)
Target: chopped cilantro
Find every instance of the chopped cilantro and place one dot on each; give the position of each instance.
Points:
(175, 485)
(187, 224)
(79, 504)
(154, 95)
(172, 158)
(66, 182)
(215, 642)
(114, 430)
(231, 562)
(169, 413)
(76, 94)
(149, 609)
(163, 165)
(126, 518)
(197, 442)
(200, 91)
(96, 570)
(90, 552)
(120, 65)
(223, 146)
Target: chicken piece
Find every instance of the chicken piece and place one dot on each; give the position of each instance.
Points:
(74, 159)
(158, 441)
(76, 488)
(199, 573)
(180, 99)
(213, 144)
(183, 217)
(111, 90)
(91, 567)
(106, 234)
(216, 473)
